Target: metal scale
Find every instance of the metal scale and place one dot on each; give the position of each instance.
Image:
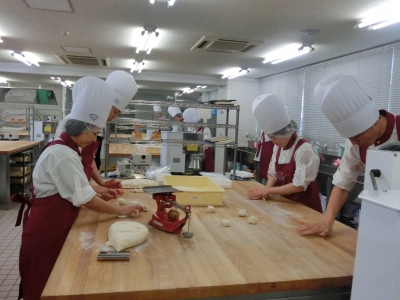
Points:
(168, 220)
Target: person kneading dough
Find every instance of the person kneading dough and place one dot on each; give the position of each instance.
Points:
(61, 187)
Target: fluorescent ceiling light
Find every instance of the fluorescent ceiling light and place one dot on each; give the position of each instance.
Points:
(76, 49)
(293, 55)
(235, 73)
(147, 39)
(188, 90)
(170, 2)
(381, 18)
(1, 40)
(201, 86)
(286, 53)
(21, 56)
(152, 2)
(137, 66)
(57, 5)
(3, 80)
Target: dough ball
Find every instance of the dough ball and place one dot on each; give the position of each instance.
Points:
(211, 209)
(253, 220)
(242, 213)
(116, 203)
(145, 207)
(126, 234)
(121, 201)
(122, 216)
(226, 223)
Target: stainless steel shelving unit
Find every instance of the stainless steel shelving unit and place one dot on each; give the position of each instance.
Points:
(131, 122)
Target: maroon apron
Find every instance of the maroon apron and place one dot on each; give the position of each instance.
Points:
(266, 149)
(284, 175)
(208, 161)
(47, 222)
(88, 154)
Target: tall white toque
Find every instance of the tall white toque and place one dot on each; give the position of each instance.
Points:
(125, 87)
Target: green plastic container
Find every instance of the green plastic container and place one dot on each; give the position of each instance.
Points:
(44, 96)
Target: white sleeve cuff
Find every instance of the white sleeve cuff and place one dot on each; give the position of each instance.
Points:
(81, 195)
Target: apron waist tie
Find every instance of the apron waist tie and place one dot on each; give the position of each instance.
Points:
(18, 198)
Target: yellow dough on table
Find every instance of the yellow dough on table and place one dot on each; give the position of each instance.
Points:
(126, 234)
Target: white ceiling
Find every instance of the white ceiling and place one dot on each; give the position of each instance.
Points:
(110, 28)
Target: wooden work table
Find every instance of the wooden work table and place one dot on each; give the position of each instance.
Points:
(125, 150)
(10, 147)
(270, 257)
(21, 133)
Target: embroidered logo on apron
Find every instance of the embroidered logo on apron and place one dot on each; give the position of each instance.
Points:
(280, 175)
(304, 161)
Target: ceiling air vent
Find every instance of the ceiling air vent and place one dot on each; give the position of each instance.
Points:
(224, 45)
(84, 60)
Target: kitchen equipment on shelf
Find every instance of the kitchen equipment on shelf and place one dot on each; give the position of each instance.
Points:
(124, 168)
(11, 136)
(183, 159)
(168, 220)
(140, 162)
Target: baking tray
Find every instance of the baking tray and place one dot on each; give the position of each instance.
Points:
(19, 171)
(196, 190)
(21, 158)
(21, 180)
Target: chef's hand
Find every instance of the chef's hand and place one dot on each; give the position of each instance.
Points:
(257, 194)
(323, 228)
(130, 209)
(112, 184)
(108, 194)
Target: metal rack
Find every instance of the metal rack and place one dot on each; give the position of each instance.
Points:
(165, 123)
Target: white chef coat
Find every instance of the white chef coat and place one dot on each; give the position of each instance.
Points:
(59, 170)
(262, 140)
(351, 165)
(206, 132)
(307, 163)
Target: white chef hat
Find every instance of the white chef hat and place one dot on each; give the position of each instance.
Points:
(124, 86)
(287, 108)
(173, 111)
(92, 101)
(157, 108)
(270, 113)
(191, 115)
(345, 104)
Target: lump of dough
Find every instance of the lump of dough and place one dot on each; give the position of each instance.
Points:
(226, 223)
(126, 234)
(122, 216)
(145, 207)
(242, 213)
(253, 220)
(121, 201)
(211, 209)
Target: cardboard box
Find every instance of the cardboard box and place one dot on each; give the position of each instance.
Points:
(196, 190)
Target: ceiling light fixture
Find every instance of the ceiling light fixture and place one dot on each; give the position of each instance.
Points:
(21, 56)
(66, 83)
(3, 80)
(170, 2)
(201, 86)
(1, 40)
(188, 90)
(235, 73)
(380, 18)
(147, 39)
(287, 53)
(137, 66)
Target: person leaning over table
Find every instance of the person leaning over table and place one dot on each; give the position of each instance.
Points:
(355, 117)
(263, 155)
(191, 115)
(294, 163)
(61, 186)
(124, 86)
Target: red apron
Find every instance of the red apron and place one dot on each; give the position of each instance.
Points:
(47, 222)
(208, 161)
(88, 154)
(266, 149)
(284, 175)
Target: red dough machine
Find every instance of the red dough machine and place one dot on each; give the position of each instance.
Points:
(166, 217)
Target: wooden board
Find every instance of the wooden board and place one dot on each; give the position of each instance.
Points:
(217, 261)
(21, 133)
(127, 150)
(15, 146)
